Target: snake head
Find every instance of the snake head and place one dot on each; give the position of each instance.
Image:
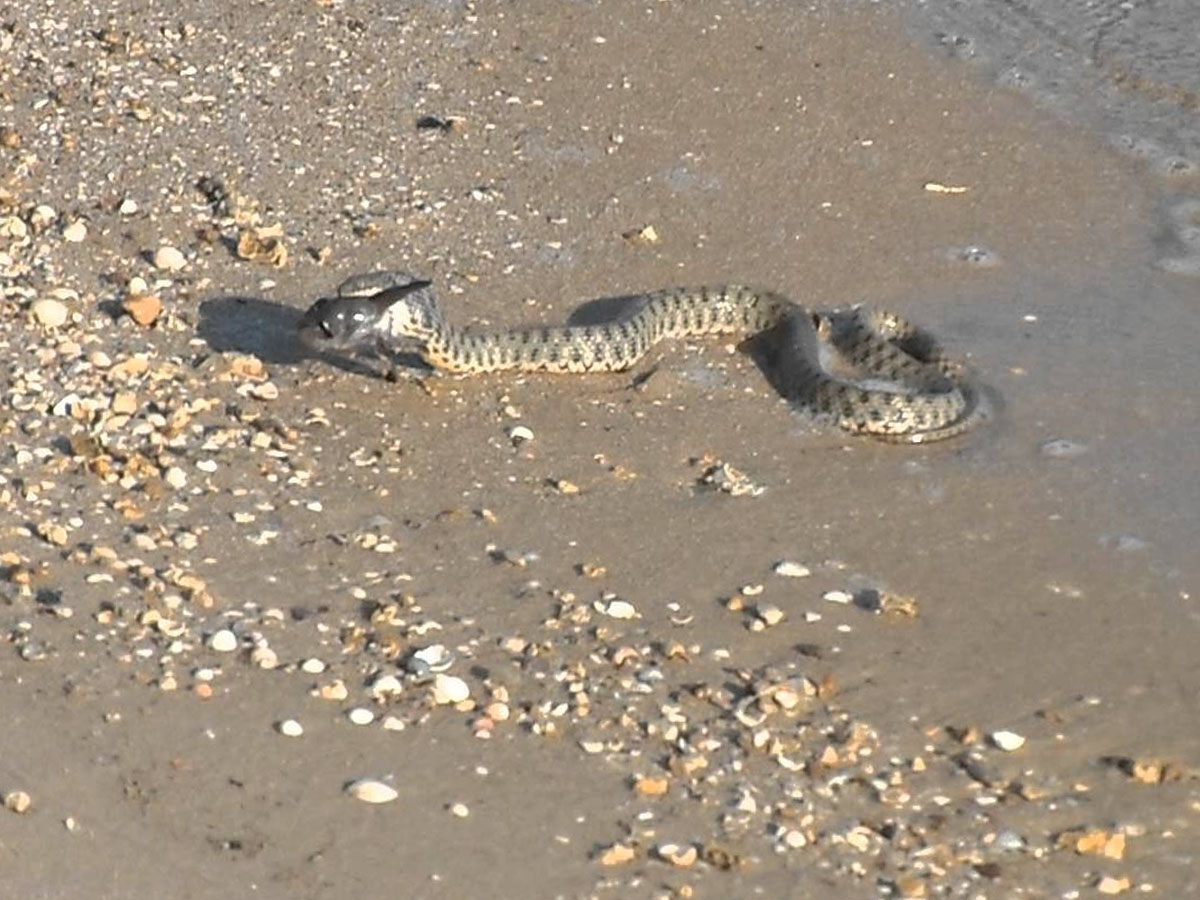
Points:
(351, 321)
(340, 323)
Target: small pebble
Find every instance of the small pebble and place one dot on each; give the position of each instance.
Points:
(769, 614)
(312, 666)
(49, 312)
(143, 308)
(175, 477)
(1110, 886)
(460, 810)
(17, 801)
(837, 597)
(519, 434)
(169, 259)
(128, 207)
(290, 728)
(1008, 840)
(1008, 740)
(361, 716)
(75, 233)
(223, 641)
(368, 790)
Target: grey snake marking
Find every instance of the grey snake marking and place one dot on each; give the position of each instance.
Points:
(927, 395)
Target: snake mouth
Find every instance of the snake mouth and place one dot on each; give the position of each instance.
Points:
(314, 328)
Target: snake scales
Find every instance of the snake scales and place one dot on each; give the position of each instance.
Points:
(926, 395)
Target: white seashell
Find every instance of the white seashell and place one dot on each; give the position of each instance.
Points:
(1008, 740)
(169, 259)
(789, 569)
(619, 609)
(434, 658)
(75, 232)
(449, 689)
(49, 312)
(386, 686)
(368, 790)
(223, 641)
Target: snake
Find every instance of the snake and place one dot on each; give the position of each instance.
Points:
(911, 392)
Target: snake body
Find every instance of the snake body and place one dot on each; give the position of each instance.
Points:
(927, 397)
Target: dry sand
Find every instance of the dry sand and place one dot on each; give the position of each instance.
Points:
(164, 484)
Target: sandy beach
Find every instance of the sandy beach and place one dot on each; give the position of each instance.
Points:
(275, 626)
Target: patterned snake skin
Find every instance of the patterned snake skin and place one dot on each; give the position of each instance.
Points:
(925, 397)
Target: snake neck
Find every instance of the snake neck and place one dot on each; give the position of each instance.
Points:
(418, 317)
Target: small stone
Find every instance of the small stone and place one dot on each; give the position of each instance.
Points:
(368, 790)
(617, 854)
(789, 569)
(449, 689)
(1008, 740)
(290, 728)
(175, 477)
(1009, 841)
(360, 715)
(223, 641)
(837, 597)
(769, 614)
(647, 234)
(312, 666)
(49, 312)
(143, 308)
(75, 233)
(1110, 886)
(459, 810)
(649, 786)
(169, 259)
(128, 207)
(125, 403)
(910, 887)
(17, 801)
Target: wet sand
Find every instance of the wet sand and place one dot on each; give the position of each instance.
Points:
(200, 475)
